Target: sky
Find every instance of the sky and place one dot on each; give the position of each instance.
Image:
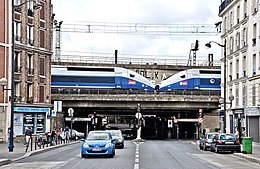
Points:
(132, 15)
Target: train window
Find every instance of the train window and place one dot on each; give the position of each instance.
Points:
(80, 79)
(210, 72)
(131, 75)
(183, 76)
(99, 69)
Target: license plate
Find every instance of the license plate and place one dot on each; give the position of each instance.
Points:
(229, 142)
(96, 149)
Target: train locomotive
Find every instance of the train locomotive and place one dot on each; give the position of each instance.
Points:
(192, 79)
(98, 78)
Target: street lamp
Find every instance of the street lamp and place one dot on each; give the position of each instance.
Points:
(14, 7)
(225, 78)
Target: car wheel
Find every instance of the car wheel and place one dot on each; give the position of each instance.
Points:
(83, 156)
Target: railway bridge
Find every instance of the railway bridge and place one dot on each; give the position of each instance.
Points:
(165, 114)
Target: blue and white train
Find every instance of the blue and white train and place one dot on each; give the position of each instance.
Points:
(192, 79)
(98, 77)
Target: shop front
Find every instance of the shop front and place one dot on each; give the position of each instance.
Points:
(253, 121)
(33, 117)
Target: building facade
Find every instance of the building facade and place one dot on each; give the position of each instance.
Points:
(32, 65)
(240, 28)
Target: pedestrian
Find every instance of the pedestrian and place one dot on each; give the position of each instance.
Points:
(28, 135)
(67, 133)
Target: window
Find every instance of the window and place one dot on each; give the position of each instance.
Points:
(29, 90)
(237, 69)
(253, 95)
(254, 64)
(231, 19)
(41, 94)
(231, 44)
(30, 7)
(30, 34)
(244, 95)
(42, 38)
(17, 89)
(17, 62)
(237, 96)
(244, 37)
(254, 35)
(237, 40)
(30, 64)
(230, 71)
(245, 8)
(238, 14)
(42, 66)
(17, 31)
(42, 12)
(254, 6)
(244, 66)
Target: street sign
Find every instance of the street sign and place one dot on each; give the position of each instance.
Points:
(138, 115)
(70, 111)
(200, 120)
(170, 124)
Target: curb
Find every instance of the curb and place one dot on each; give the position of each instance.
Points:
(7, 161)
(252, 159)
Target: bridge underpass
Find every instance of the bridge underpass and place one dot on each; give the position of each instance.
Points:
(157, 109)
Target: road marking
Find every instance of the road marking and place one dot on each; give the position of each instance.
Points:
(136, 166)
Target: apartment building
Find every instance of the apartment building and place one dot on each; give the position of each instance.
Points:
(32, 34)
(240, 28)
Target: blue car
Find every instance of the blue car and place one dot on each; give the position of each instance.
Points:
(98, 143)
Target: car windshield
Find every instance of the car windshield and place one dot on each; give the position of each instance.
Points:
(98, 136)
(116, 133)
(227, 137)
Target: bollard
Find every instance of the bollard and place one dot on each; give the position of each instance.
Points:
(35, 144)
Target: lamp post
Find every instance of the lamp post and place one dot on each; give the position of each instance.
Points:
(225, 78)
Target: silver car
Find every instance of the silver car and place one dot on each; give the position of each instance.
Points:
(206, 140)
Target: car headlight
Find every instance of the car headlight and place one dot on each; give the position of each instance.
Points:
(108, 145)
(85, 145)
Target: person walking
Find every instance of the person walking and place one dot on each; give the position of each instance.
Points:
(28, 137)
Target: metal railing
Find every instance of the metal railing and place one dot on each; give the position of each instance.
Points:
(83, 91)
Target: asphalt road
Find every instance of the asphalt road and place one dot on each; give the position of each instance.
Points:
(152, 154)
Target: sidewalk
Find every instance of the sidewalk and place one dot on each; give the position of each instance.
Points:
(19, 151)
(254, 157)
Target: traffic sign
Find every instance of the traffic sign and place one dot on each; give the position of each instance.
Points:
(70, 111)
(200, 120)
(138, 115)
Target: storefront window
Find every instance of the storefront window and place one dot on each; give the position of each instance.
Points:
(28, 121)
(40, 123)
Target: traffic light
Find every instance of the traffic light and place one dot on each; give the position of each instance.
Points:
(200, 113)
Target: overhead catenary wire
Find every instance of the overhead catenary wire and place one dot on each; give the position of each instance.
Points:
(139, 28)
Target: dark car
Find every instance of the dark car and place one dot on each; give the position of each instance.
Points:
(206, 140)
(117, 135)
(225, 142)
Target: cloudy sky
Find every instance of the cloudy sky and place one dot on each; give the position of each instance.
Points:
(132, 14)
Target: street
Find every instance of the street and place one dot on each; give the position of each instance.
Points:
(151, 154)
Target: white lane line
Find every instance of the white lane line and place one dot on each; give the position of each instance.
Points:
(137, 160)
(136, 166)
(136, 156)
